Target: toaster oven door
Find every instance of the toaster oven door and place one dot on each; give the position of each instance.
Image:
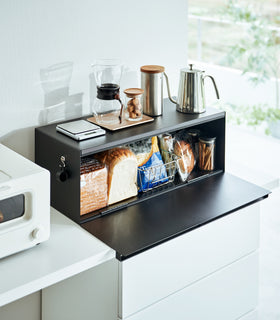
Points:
(12, 208)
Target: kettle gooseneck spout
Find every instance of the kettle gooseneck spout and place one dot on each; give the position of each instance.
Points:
(168, 89)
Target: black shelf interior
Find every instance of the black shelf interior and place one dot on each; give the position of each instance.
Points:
(214, 128)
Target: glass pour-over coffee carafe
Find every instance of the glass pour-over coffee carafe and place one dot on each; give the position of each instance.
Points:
(107, 105)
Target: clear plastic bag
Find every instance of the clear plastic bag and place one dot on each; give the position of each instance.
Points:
(166, 147)
(194, 136)
(122, 173)
(93, 186)
(182, 148)
(166, 142)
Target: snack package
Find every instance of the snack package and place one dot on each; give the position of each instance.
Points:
(166, 147)
(183, 150)
(151, 169)
(166, 150)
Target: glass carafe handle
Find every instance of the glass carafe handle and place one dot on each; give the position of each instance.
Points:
(117, 97)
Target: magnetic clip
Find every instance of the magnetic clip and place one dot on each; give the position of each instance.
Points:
(63, 174)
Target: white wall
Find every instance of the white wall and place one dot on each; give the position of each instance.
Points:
(36, 34)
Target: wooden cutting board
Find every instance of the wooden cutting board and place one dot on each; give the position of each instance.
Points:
(125, 123)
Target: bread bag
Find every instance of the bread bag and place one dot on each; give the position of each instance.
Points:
(93, 185)
(182, 148)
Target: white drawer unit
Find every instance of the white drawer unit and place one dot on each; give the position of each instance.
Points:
(210, 273)
(224, 295)
(89, 295)
(156, 273)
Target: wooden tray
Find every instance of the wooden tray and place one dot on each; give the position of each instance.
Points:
(125, 123)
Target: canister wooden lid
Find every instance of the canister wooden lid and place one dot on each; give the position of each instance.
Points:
(132, 92)
(152, 69)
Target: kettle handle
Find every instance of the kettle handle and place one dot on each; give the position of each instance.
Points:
(214, 84)
(168, 89)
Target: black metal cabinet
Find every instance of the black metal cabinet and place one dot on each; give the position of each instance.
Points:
(142, 222)
(51, 146)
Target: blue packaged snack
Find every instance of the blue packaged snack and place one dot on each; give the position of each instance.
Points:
(151, 169)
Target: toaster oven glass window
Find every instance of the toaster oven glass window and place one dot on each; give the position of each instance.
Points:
(12, 208)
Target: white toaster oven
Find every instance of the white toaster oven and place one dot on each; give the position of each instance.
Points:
(24, 203)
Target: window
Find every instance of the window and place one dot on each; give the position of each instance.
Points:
(239, 42)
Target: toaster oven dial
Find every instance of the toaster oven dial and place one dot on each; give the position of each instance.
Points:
(37, 233)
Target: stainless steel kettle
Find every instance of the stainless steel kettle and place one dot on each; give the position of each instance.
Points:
(191, 96)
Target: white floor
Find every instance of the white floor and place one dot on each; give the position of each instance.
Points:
(257, 159)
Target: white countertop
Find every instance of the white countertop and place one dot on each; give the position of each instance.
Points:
(69, 251)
